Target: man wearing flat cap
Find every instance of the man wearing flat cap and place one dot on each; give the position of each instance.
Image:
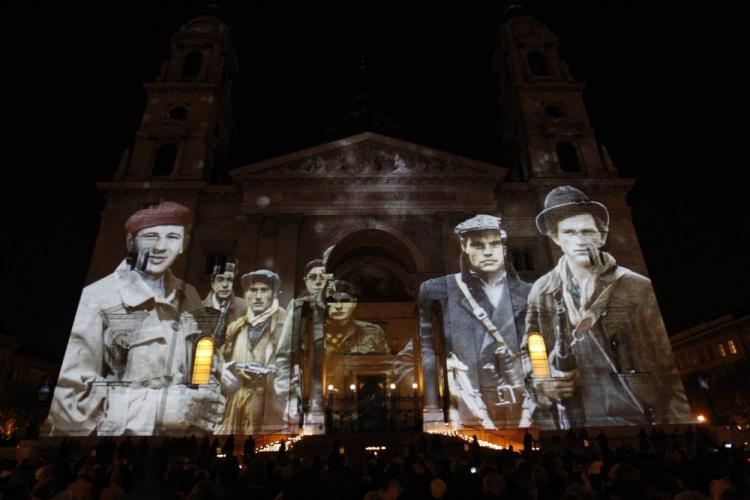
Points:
(609, 356)
(250, 353)
(483, 308)
(126, 367)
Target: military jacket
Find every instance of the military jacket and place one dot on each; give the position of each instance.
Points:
(127, 348)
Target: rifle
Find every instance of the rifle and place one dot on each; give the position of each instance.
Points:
(219, 329)
(564, 361)
(256, 368)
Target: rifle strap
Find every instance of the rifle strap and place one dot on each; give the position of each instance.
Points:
(479, 313)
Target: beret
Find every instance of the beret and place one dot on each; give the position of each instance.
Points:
(166, 213)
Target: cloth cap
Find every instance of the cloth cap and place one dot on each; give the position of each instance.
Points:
(481, 222)
(567, 198)
(166, 213)
(263, 275)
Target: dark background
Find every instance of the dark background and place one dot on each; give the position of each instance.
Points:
(667, 94)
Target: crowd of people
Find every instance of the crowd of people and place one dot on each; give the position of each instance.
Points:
(429, 468)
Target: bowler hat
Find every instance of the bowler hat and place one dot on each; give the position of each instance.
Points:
(569, 199)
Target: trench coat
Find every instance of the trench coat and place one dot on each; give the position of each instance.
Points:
(129, 353)
(626, 373)
(254, 408)
(466, 338)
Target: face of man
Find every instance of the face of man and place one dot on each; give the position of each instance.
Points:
(259, 296)
(341, 307)
(164, 244)
(315, 280)
(575, 234)
(222, 285)
(485, 251)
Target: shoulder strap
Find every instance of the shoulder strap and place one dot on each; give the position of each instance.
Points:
(479, 312)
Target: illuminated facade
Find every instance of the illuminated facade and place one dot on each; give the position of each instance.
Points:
(385, 207)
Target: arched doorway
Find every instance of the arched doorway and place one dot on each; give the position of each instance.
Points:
(382, 267)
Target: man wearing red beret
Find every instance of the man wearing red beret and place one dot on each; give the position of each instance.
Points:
(127, 366)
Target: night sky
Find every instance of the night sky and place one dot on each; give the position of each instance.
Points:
(667, 95)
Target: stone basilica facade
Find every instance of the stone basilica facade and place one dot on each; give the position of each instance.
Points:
(386, 206)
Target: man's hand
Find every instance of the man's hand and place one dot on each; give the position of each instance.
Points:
(558, 387)
(188, 408)
(230, 382)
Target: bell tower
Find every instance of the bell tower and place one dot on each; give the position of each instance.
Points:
(186, 125)
(543, 125)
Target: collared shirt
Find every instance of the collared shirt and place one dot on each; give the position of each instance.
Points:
(494, 290)
(156, 285)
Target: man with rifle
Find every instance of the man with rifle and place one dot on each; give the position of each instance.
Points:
(610, 359)
(483, 308)
(126, 367)
(221, 302)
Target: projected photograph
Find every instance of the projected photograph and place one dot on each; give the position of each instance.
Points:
(582, 346)
(357, 342)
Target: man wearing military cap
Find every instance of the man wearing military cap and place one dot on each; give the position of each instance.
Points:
(346, 336)
(250, 353)
(483, 309)
(126, 367)
(609, 355)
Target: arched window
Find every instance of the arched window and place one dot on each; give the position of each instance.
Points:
(164, 161)
(538, 355)
(537, 64)
(568, 157)
(177, 113)
(192, 64)
(204, 355)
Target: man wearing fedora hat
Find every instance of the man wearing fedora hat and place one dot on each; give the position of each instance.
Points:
(126, 367)
(610, 358)
(483, 309)
(250, 352)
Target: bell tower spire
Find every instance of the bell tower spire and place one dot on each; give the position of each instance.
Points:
(187, 124)
(543, 125)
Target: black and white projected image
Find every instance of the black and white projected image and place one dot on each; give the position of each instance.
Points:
(482, 314)
(584, 345)
(127, 365)
(597, 349)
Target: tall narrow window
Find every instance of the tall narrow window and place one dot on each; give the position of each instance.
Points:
(568, 157)
(164, 161)
(192, 64)
(538, 355)
(214, 259)
(204, 355)
(537, 64)
(732, 347)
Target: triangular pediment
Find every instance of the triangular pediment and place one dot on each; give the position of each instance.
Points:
(369, 155)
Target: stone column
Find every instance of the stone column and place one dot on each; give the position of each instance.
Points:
(286, 254)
